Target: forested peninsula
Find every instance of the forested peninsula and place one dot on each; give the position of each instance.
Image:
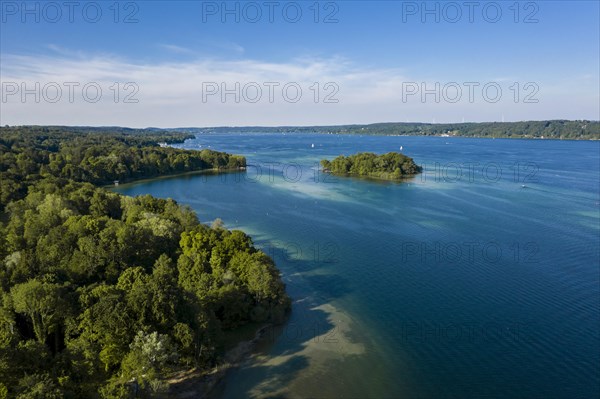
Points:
(390, 166)
(103, 295)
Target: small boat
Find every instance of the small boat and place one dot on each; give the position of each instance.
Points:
(312, 146)
(401, 148)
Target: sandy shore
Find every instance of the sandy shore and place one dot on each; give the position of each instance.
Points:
(305, 370)
(319, 350)
(196, 383)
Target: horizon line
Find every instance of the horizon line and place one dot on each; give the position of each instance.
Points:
(305, 126)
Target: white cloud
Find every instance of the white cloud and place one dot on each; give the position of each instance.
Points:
(171, 93)
(204, 46)
(176, 49)
(224, 45)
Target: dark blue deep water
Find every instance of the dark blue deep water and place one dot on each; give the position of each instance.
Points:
(479, 278)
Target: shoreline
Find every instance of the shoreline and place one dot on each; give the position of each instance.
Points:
(194, 383)
(212, 171)
(403, 179)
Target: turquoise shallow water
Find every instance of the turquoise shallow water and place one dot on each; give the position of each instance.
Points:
(478, 278)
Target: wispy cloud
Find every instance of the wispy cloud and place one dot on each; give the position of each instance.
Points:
(176, 49)
(224, 45)
(334, 90)
(204, 46)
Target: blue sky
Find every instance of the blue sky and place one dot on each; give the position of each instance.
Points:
(352, 62)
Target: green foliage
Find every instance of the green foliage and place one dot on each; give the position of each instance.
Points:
(96, 156)
(38, 386)
(42, 303)
(116, 389)
(148, 357)
(390, 166)
(103, 294)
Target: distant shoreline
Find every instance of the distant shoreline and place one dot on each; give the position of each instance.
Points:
(399, 135)
(535, 130)
(558, 129)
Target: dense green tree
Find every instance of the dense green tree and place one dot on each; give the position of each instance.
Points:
(96, 288)
(92, 155)
(149, 354)
(390, 166)
(42, 303)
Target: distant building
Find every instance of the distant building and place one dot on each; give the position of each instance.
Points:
(116, 182)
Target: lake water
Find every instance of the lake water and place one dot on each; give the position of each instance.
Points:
(478, 278)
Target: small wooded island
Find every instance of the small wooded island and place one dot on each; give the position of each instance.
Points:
(390, 166)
